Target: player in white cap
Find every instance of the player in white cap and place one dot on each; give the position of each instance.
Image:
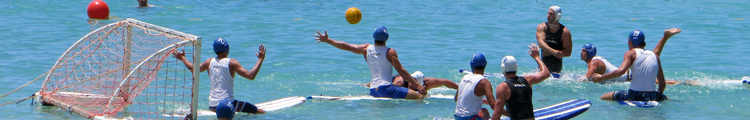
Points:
(554, 40)
(515, 93)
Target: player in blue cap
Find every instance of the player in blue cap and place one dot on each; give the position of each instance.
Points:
(599, 65)
(555, 41)
(472, 89)
(515, 93)
(644, 67)
(381, 61)
(221, 73)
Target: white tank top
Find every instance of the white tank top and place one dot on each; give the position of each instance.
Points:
(222, 82)
(381, 70)
(468, 104)
(609, 69)
(644, 70)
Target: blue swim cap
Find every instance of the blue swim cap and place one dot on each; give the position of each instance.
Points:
(590, 50)
(225, 109)
(637, 37)
(380, 34)
(478, 60)
(221, 45)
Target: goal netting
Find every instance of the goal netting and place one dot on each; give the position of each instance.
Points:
(126, 70)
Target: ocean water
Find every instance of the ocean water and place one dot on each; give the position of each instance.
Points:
(435, 37)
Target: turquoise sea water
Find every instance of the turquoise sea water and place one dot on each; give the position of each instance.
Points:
(435, 37)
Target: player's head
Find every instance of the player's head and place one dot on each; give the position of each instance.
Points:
(509, 65)
(221, 46)
(142, 3)
(225, 109)
(553, 14)
(637, 39)
(588, 51)
(380, 35)
(478, 62)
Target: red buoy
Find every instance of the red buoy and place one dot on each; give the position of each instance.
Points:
(98, 10)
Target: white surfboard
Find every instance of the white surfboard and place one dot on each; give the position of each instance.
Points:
(350, 98)
(643, 104)
(269, 106)
(746, 82)
(561, 111)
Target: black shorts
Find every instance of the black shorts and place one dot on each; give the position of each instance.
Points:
(240, 106)
(553, 63)
(622, 95)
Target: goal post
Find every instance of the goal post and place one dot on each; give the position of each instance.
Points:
(126, 70)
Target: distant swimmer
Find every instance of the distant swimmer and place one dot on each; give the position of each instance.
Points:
(381, 61)
(599, 65)
(144, 3)
(221, 72)
(554, 40)
(645, 67)
(471, 90)
(515, 93)
(426, 82)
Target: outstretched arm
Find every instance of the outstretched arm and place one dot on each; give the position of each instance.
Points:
(627, 61)
(667, 34)
(393, 58)
(236, 66)
(181, 56)
(540, 76)
(356, 49)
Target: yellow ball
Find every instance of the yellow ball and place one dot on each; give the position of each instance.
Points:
(353, 15)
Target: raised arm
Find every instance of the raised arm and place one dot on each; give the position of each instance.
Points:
(356, 49)
(627, 61)
(236, 66)
(393, 58)
(540, 76)
(667, 34)
(567, 43)
(181, 56)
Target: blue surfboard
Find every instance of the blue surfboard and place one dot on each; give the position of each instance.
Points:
(561, 111)
(643, 104)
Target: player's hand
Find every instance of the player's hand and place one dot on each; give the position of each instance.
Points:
(322, 37)
(261, 52)
(596, 78)
(671, 32)
(534, 50)
(558, 54)
(418, 87)
(178, 55)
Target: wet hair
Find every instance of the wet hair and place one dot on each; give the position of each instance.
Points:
(479, 67)
(379, 42)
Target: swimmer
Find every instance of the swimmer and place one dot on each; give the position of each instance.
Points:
(381, 61)
(515, 93)
(644, 66)
(599, 65)
(554, 40)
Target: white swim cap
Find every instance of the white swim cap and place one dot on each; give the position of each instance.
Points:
(509, 64)
(419, 77)
(558, 12)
